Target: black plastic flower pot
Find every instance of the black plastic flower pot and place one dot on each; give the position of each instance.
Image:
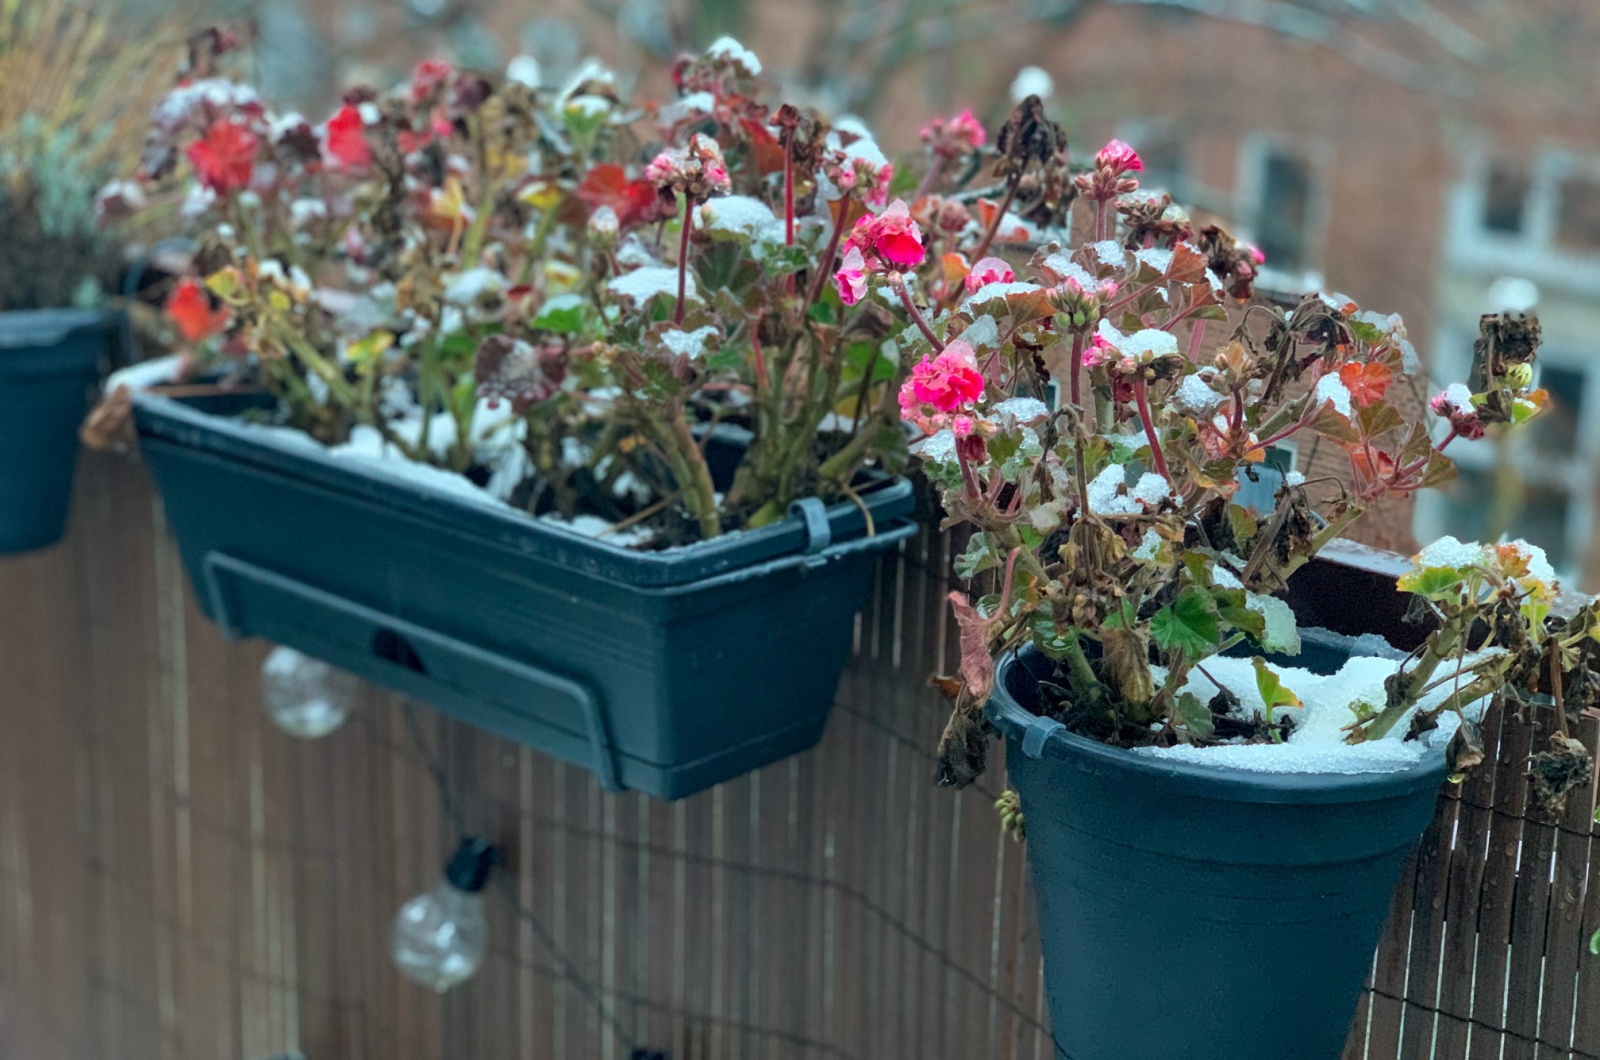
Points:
(49, 360)
(1200, 913)
(664, 672)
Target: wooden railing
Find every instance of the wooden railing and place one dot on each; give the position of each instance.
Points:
(179, 880)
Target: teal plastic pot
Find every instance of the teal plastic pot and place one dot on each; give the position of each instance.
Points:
(49, 361)
(664, 672)
(1195, 913)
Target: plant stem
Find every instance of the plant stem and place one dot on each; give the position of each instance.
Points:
(1197, 336)
(693, 474)
(825, 263)
(899, 284)
(999, 218)
(683, 260)
(1077, 371)
(1141, 399)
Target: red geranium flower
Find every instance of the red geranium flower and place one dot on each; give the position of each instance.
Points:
(1366, 382)
(224, 158)
(345, 145)
(189, 307)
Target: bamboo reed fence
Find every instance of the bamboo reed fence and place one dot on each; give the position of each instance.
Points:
(179, 880)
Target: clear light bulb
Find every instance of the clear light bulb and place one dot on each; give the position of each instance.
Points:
(305, 697)
(441, 938)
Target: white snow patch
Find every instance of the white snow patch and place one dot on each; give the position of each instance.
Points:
(1022, 409)
(472, 286)
(999, 289)
(690, 344)
(1317, 743)
(741, 215)
(641, 285)
(1449, 551)
(1157, 258)
(1149, 344)
(598, 528)
(145, 374)
(1331, 388)
(1110, 252)
(1194, 397)
(728, 48)
(937, 448)
(1060, 265)
(1106, 498)
(1148, 546)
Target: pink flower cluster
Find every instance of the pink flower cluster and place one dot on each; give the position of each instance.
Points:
(987, 271)
(697, 170)
(943, 390)
(1119, 158)
(878, 243)
(1454, 403)
(956, 137)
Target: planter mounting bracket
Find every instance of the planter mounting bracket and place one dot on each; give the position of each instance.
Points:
(398, 653)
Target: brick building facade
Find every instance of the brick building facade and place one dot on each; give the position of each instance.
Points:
(1440, 167)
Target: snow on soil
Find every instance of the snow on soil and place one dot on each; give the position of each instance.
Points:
(1317, 743)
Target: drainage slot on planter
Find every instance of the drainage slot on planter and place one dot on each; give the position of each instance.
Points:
(391, 646)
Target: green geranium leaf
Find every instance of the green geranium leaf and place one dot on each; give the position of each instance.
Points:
(981, 555)
(1189, 624)
(563, 314)
(1195, 716)
(1270, 685)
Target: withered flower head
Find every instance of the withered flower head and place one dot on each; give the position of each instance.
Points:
(1028, 136)
(517, 371)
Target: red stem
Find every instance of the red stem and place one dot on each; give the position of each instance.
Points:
(1141, 400)
(999, 218)
(1196, 336)
(1077, 371)
(788, 188)
(683, 260)
(899, 284)
(825, 263)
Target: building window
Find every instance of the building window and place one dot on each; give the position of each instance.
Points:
(1164, 167)
(1540, 487)
(1578, 214)
(1505, 199)
(1283, 217)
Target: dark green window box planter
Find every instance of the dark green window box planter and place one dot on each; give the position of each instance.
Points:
(49, 361)
(662, 672)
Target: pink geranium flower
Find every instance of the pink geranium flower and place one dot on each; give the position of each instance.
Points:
(891, 238)
(851, 279)
(955, 137)
(987, 271)
(1119, 157)
(942, 387)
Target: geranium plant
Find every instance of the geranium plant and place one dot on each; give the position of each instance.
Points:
(1108, 525)
(557, 293)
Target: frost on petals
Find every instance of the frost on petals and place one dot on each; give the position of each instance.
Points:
(1454, 403)
(891, 239)
(941, 387)
(987, 271)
